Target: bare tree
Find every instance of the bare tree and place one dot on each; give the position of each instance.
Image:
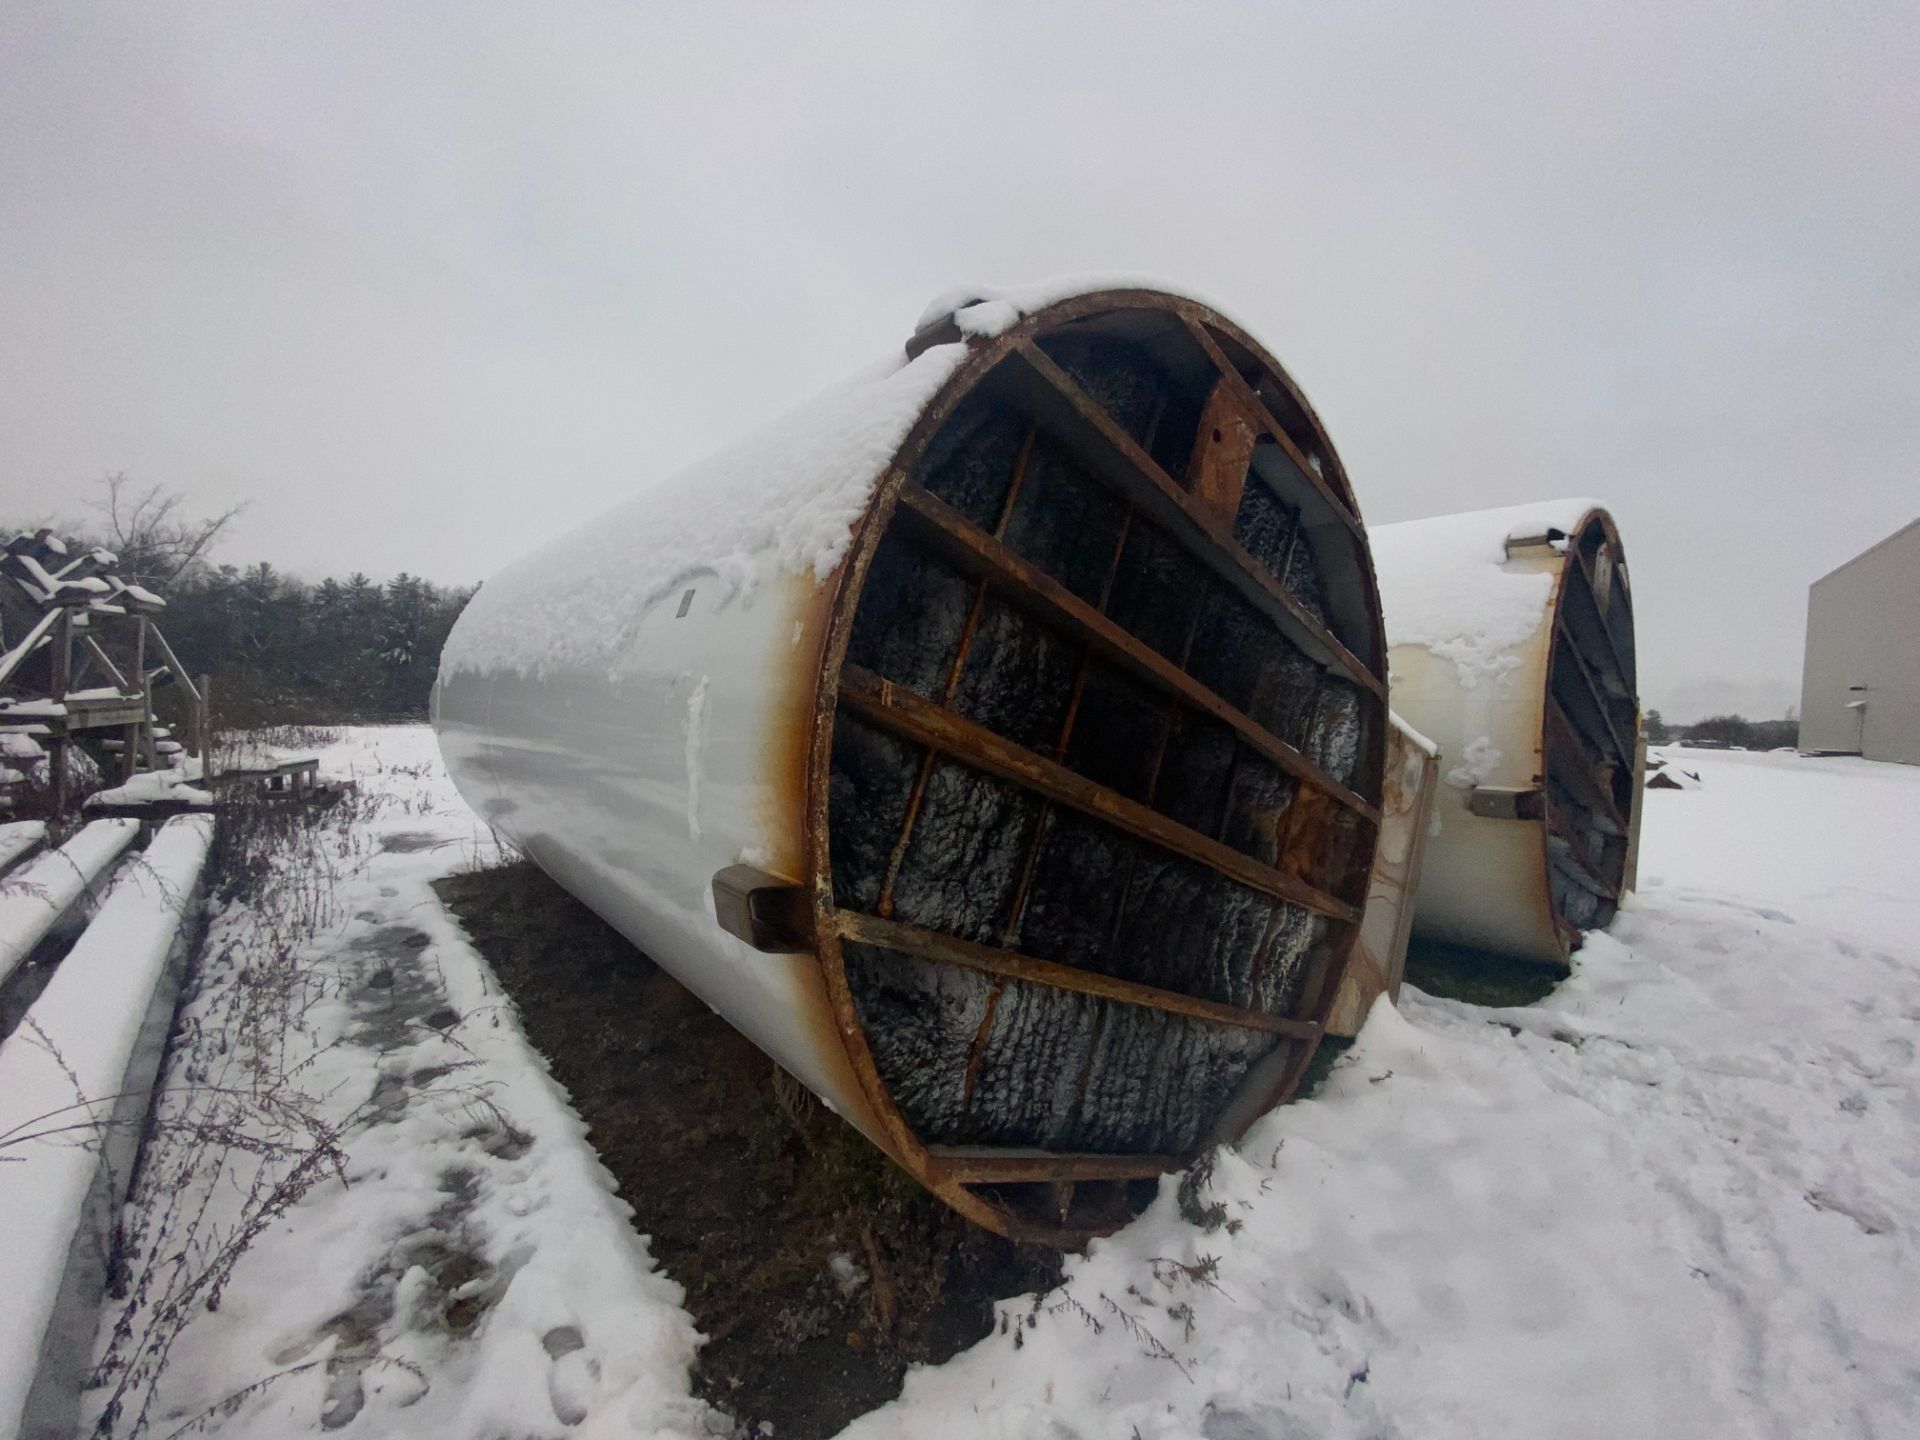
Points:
(156, 540)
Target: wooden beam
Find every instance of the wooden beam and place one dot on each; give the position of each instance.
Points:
(1064, 408)
(917, 718)
(1010, 965)
(978, 552)
(173, 662)
(56, 745)
(13, 659)
(1230, 375)
(105, 661)
(983, 1165)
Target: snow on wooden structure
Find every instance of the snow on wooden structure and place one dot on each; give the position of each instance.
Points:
(82, 672)
(1512, 647)
(18, 840)
(997, 740)
(75, 1080)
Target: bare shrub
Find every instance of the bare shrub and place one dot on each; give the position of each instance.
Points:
(239, 1133)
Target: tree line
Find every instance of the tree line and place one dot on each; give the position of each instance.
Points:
(282, 650)
(1733, 732)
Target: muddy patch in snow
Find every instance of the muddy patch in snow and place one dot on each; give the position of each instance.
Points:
(400, 994)
(412, 842)
(817, 1270)
(1475, 977)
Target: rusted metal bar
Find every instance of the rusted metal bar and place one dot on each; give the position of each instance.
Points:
(977, 1051)
(917, 796)
(1621, 750)
(1026, 582)
(1042, 825)
(1011, 965)
(1574, 621)
(1250, 397)
(1557, 826)
(1602, 699)
(918, 718)
(981, 1165)
(1587, 785)
(1018, 482)
(1606, 626)
(1118, 458)
(1170, 713)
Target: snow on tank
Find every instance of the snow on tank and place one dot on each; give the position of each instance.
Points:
(1511, 644)
(995, 740)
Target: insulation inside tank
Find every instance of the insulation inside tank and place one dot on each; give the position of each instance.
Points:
(1592, 733)
(1173, 856)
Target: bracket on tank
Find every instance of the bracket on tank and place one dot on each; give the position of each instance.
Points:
(767, 912)
(1507, 802)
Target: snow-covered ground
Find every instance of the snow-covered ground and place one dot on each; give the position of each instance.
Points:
(465, 1269)
(1677, 1198)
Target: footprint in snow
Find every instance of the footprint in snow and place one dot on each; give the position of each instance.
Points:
(571, 1377)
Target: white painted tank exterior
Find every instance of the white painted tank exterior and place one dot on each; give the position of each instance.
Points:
(1469, 620)
(645, 708)
(612, 703)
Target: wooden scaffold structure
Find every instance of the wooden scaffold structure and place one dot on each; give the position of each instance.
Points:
(82, 672)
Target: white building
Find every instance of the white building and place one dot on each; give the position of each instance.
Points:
(1860, 691)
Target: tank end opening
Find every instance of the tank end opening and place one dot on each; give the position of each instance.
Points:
(1103, 774)
(1592, 733)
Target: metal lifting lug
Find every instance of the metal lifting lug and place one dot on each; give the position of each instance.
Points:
(1503, 802)
(767, 912)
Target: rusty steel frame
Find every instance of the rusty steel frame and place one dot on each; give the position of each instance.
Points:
(1011, 965)
(1025, 583)
(970, 1179)
(915, 718)
(1140, 478)
(1563, 733)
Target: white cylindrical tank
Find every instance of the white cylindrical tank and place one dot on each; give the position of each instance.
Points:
(1511, 646)
(995, 740)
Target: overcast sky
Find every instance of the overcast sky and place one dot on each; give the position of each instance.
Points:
(426, 284)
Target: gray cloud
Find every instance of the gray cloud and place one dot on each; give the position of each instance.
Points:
(426, 285)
